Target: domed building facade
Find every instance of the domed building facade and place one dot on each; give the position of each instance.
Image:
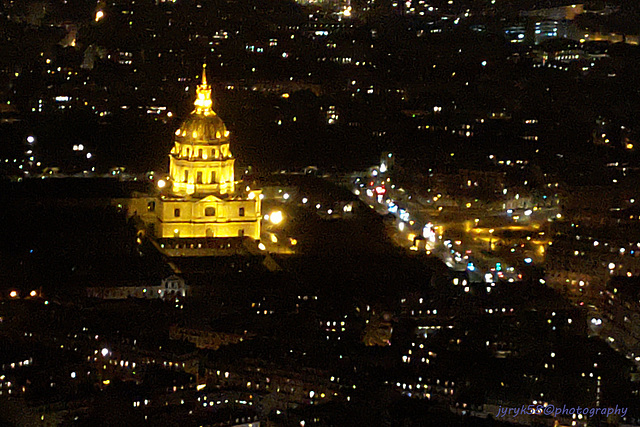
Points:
(202, 203)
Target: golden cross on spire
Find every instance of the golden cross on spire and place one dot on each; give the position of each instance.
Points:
(203, 100)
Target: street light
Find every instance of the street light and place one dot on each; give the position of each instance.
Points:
(276, 217)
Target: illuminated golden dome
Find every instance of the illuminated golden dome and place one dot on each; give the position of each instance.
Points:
(198, 129)
(203, 126)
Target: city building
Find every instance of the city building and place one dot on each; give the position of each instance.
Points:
(170, 288)
(201, 198)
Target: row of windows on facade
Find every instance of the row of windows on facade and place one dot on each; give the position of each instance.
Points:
(201, 154)
(199, 177)
(210, 233)
(208, 211)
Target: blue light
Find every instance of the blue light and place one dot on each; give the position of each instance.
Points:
(498, 266)
(471, 267)
(528, 260)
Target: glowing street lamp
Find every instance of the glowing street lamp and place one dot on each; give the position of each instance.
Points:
(276, 217)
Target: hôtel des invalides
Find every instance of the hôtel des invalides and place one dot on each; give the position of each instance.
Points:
(201, 209)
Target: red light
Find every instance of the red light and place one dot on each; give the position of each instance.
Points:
(380, 190)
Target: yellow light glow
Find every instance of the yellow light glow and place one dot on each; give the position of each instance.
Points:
(13, 294)
(203, 100)
(200, 386)
(252, 195)
(195, 134)
(285, 95)
(274, 239)
(261, 246)
(99, 15)
(33, 293)
(162, 183)
(411, 236)
(177, 132)
(226, 133)
(276, 217)
(293, 241)
(629, 146)
(106, 382)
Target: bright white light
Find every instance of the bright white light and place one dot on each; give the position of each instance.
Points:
(99, 15)
(383, 167)
(162, 183)
(261, 246)
(528, 260)
(305, 200)
(31, 139)
(73, 374)
(104, 352)
(611, 266)
(285, 196)
(89, 155)
(276, 217)
(528, 212)
(401, 226)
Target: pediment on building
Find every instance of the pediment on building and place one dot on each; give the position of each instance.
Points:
(210, 199)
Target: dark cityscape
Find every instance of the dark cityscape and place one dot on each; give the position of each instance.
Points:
(274, 213)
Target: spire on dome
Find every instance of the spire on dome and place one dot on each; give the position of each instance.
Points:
(203, 100)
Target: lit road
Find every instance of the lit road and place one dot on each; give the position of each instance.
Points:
(458, 240)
